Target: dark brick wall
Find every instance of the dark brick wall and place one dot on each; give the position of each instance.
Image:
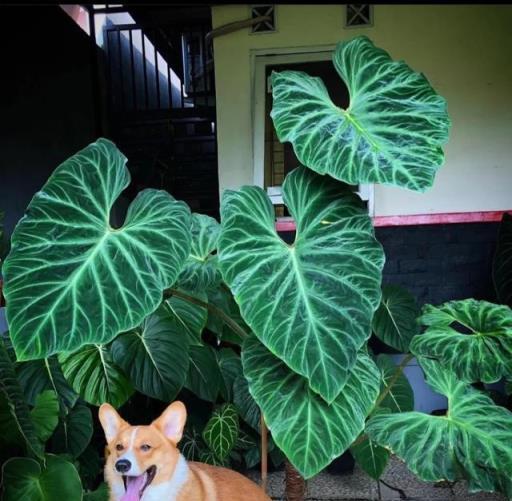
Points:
(437, 262)
(441, 262)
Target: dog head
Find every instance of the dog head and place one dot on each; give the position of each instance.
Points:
(140, 456)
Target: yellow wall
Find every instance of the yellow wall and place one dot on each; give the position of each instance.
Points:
(464, 50)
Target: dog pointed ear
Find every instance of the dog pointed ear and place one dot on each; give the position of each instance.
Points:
(111, 421)
(172, 421)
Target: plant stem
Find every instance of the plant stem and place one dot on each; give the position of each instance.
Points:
(295, 483)
(210, 307)
(386, 390)
(394, 379)
(264, 452)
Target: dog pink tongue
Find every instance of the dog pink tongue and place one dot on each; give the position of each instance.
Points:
(133, 488)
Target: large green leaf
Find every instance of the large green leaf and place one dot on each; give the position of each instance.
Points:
(472, 338)
(70, 278)
(391, 133)
(155, 355)
(472, 441)
(18, 408)
(204, 378)
(221, 431)
(187, 316)
(74, 431)
(502, 264)
(200, 270)
(37, 376)
(400, 396)
(395, 321)
(93, 374)
(306, 428)
(45, 414)
(24, 479)
(312, 302)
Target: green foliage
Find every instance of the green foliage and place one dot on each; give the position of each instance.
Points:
(158, 308)
(93, 374)
(310, 303)
(45, 414)
(471, 338)
(66, 233)
(204, 377)
(231, 369)
(37, 376)
(221, 431)
(187, 318)
(372, 458)
(502, 264)
(155, 356)
(200, 270)
(395, 321)
(391, 133)
(25, 478)
(18, 410)
(399, 396)
(472, 441)
(74, 431)
(306, 428)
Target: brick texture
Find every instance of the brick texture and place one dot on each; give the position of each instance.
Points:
(438, 263)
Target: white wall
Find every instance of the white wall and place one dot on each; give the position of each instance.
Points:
(464, 50)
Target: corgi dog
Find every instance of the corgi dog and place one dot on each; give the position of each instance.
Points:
(144, 464)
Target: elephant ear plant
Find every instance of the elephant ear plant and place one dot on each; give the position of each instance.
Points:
(102, 313)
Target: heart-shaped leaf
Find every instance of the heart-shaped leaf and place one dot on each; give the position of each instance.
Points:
(472, 338)
(312, 302)
(305, 427)
(17, 406)
(155, 355)
(66, 261)
(400, 396)
(74, 431)
(200, 270)
(391, 133)
(37, 376)
(204, 378)
(93, 374)
(23, 478)
(502, 264)
(221, 431)
(187, 316)
(45, 414)
(472, 441)
(395, 321)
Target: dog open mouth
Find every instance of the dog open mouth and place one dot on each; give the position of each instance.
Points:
(135, 486)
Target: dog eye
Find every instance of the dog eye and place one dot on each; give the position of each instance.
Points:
(145, 447)
(119, 447)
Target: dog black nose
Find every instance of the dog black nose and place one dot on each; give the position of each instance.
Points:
(123, 465)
